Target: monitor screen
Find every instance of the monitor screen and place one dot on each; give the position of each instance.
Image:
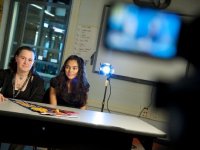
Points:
(142, 30)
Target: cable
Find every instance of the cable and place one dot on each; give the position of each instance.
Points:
(108, 97)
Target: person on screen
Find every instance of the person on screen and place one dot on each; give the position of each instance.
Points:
(70, 87)
(158, 35)
(20, 81)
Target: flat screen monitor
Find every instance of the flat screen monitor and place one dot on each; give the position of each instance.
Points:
(142, 30)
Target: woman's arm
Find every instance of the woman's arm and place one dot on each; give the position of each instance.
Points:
(2, 77)
(52, 96)
(2, 98)
(83, 107)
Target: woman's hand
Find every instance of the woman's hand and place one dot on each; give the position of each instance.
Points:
(2, 98)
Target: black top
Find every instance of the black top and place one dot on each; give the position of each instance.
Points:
(34, 91)
(75, 100)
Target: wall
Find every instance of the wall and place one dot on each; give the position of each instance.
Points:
(127, 97)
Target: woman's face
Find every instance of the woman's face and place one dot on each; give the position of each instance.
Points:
(25, 60)
(71, 69)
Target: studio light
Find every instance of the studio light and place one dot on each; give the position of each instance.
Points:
(107, 70)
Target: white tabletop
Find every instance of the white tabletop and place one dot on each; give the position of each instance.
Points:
(123, 123)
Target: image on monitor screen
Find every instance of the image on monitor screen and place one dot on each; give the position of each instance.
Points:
(142, 30)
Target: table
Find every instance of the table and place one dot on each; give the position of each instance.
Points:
(91, 130)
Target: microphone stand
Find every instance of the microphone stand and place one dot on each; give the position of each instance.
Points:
(104, 97)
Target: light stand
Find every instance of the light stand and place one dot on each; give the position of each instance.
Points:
(107, 70)
(104, 97)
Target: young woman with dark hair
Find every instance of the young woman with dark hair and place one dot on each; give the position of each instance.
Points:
(70, 87)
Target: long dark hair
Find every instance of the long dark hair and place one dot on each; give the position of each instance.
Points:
(79, 85)
(13, 63)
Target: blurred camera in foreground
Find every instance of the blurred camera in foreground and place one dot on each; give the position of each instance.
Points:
(163, 35)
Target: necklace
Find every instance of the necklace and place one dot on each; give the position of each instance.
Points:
(19, 90)
(20, 77)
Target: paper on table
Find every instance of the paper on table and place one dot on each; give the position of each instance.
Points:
(43, 110)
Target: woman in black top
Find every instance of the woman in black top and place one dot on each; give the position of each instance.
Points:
(70, 87)
(20, 81)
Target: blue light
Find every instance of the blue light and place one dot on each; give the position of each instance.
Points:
(106, 69)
